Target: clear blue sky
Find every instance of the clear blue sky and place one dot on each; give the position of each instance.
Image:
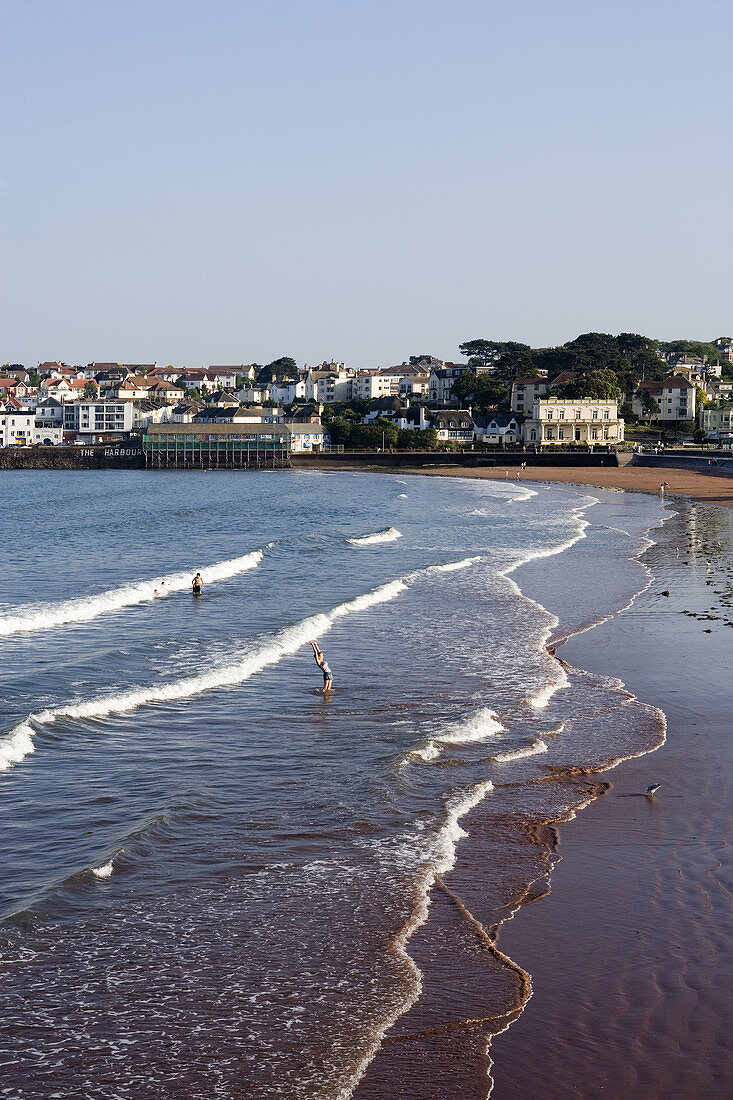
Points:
(230, 181)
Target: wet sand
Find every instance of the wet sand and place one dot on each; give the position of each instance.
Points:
(711, 488)
(628, 952)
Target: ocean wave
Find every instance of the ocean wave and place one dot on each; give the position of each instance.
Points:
(476, 727)
(83, 609)
(447, 567)
(390, 534)
(18, 743)
(103, 872)
(536, 746)
(457, 807)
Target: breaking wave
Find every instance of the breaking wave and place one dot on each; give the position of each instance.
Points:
(85, 608)
(477, 726)
(19, 741)
(388, 535)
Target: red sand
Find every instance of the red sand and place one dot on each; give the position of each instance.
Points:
(711, 488)
(629, 954)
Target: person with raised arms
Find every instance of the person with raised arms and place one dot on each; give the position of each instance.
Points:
(323, 665)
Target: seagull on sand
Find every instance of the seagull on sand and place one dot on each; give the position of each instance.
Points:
(652, 789)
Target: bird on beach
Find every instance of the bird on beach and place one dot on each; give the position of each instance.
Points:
(652, 789)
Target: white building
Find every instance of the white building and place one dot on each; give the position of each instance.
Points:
(524, 392)
(367, 385)
(441, 383)
(453, 426)
(286, 392)
(677, 400)
(501, 429)
(253, 393)
(307, 437)
(17, 422)
(90, 418)
(584, 420)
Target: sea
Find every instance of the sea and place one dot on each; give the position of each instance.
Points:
(211, 872)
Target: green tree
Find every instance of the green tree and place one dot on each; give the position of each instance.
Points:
(485, 352)
(91, 390)
(650, 405)
(340, 431)
(284, 367)
(34, 377)
(483, 391)
(415, 439)
(600, 385)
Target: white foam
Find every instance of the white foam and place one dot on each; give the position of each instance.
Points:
(84, 608)
(457, 807)
(536, 747)
(449, 567)
(476, 727)
(103, 872)
(19, 741)
(17, 745)
(388, 535)
(542, 696)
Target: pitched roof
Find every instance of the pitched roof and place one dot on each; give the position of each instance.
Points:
(677, 382)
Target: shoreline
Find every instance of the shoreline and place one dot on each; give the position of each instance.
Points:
(571, 952)
(630, 982)
(713, 488)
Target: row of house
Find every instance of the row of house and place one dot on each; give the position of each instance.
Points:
(671, 400)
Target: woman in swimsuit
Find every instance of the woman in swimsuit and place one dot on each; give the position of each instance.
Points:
(323, 665)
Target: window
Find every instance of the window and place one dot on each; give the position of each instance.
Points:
(595, 414)
(605, 433)
(549, 434)
(577, 414)
(561, 414)
(560, 433)
(549, 414)
(594, 433)
(606, 414)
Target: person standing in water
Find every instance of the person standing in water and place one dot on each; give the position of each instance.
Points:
(197, 584)
(323, 665)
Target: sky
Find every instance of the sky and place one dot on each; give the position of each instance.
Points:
(230, 181)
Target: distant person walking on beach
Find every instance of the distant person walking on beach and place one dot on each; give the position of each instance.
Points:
(323, 665)
(197, 584)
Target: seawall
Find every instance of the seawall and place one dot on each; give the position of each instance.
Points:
(104, 456)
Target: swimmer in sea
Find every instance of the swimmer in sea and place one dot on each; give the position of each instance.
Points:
(323, 665)
(197, 585)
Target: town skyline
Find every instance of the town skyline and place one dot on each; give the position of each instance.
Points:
(347, 180)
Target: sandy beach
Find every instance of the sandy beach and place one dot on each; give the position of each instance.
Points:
(630, 968)
(627, 951)
(711, 488)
